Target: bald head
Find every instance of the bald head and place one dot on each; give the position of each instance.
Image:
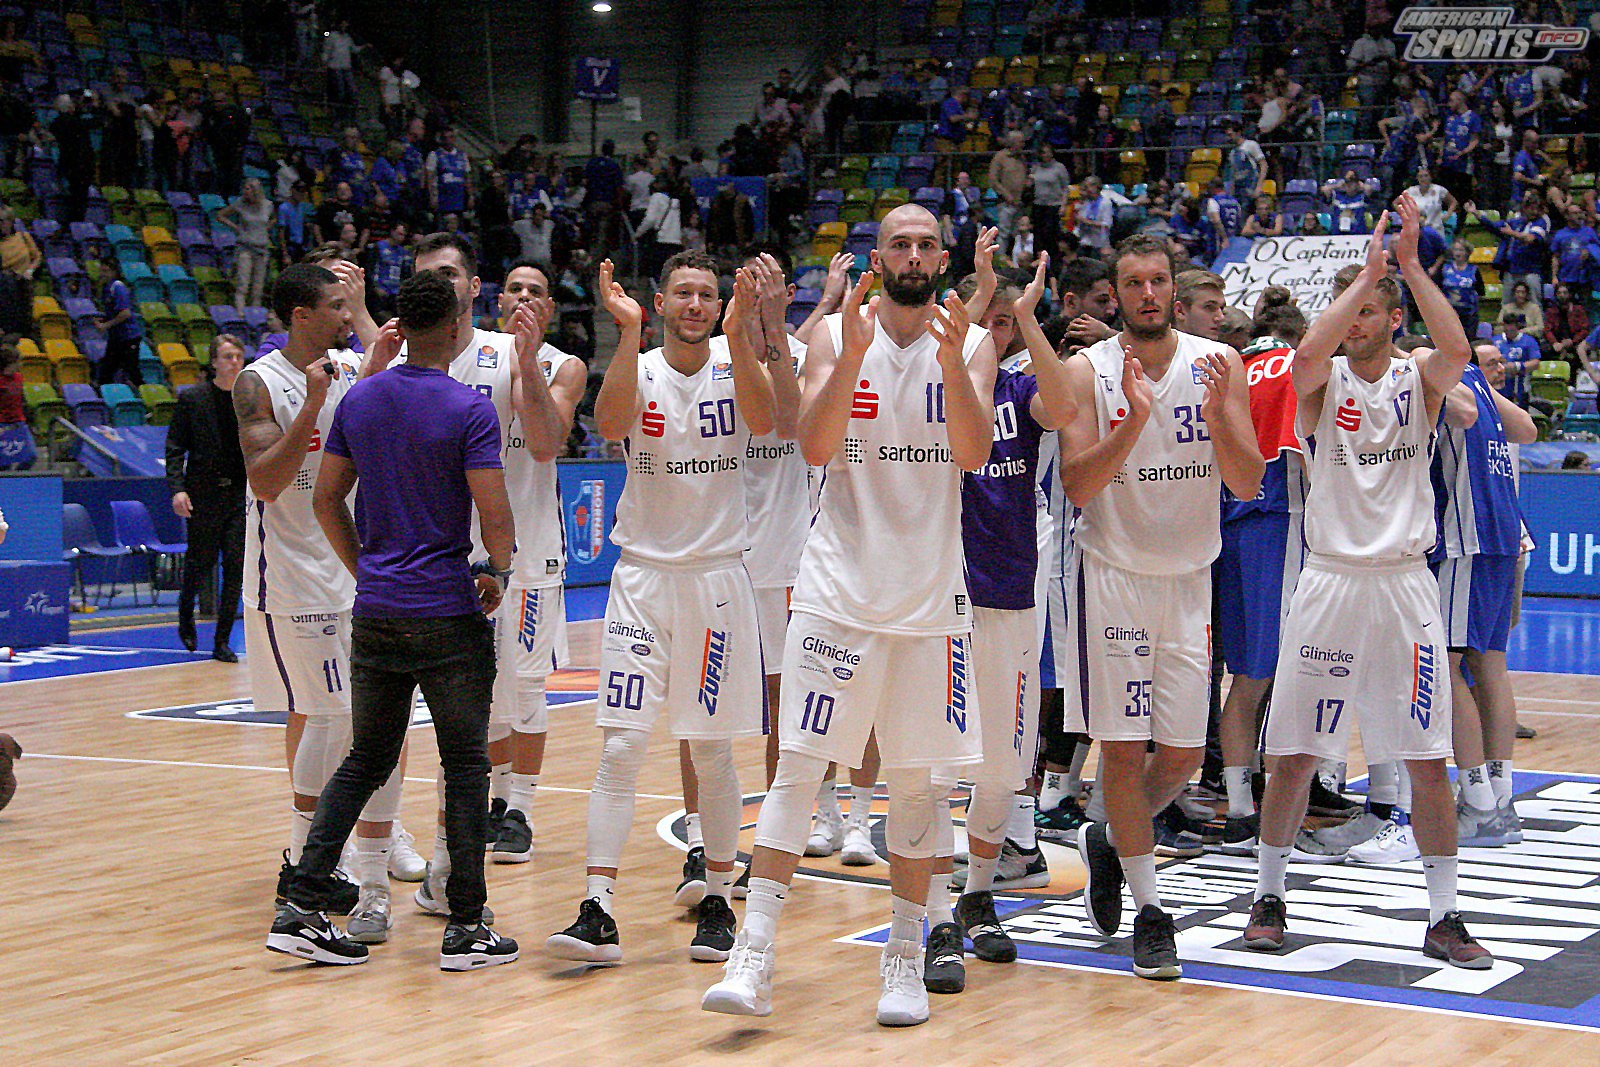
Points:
(907, 218)
(910, 255)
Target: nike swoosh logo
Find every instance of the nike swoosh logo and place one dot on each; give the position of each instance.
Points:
(915, 841)
(723, 604)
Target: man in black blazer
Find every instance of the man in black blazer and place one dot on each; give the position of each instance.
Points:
(205, 469)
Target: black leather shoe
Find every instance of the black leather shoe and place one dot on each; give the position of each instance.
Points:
(224, 654)
(186, 635)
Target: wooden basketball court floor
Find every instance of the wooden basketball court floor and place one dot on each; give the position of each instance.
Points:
(139, 857)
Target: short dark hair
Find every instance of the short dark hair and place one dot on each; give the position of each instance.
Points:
(300, 286)
(425, 300)
(688, 259)
(1078, 276)
(327, 252)
(1140, 244)
(777, 252)
(532, 264)
(437, 242)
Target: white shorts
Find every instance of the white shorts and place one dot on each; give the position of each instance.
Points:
(685, 642)
(1143, 646)
(299, 662)
(1364, 644)
(1006, 668)
(840, 683)
(530, 641)
(772, 613)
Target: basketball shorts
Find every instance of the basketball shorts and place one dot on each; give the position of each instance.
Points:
(530, 641)
(1475, 596)
(1006, 667)
(1254, 577)
(1048, 598)
(772, 613)
(1363, 645)
(1144, 653)
(299, 662)
(683, 642)
(841, 682)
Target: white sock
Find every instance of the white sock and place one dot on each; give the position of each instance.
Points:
(1500, 780)
(1053, 790)
(500, 782)
(980, 872)
(762, 906)
(1095, 811)
(1475, 787)
(1383, 783)
(720, 883)
(1140, 872)
(905, 920)
(828, 799)
(1273, 865)
(940, 907)
(1080, 756)
(522, 790)
(1241, 802)
(299, 830)
(441, 854)
(692, 830)
(372, 860)
(1403, 803)
(1440, 874)
(1020, 826)
(860, 803)
(602, 888)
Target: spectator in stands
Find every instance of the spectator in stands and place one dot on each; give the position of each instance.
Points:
(1527, 167)
(536, 232)
(395, 80)
(1463, 132)
(955, 115)
(1526, 96)
(1434, 201)
(1050, 181)
(1575, 250)
(1088, 308)
(639, 183)
(1462, 286)
(1219, 219)
(1008, 177)
(19, 253)
(295, 232)
(119, 143)
(336, 212)
(1519, 301)
(1158, 123)
(1311, 225)
(339, 50)
(449, 177)
(205, 471)
(730, 222)
(771, 110)
(11, 407)
(602, 182)
(1587, 379)
(837, 104)
(390, 264)
(660, 231)
(1524, 253)
(1349, 200)
(1105, 136)
(1097, 210)
(250, 218)
(1406, 138)
(73, 128)
(1566, 323)
(348, 165)
(1024, 250)
(122, 328)
(696, 167)
(1371, 59)
(1521, 354)
(227, 126)
(1576, 460)
(1264, 221)
(1502, 146)
(1247, 165)
(292, 168)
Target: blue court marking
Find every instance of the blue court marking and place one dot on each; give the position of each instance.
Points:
(62, 661)
(1557, 635)
(587, 602)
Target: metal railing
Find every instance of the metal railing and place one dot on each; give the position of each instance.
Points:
(52, 439)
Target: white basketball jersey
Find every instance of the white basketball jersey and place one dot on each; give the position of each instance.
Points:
(1371, 493)
(1162, 512)
(684, 502)
(289, 566)
(777, 500)
(885, 552)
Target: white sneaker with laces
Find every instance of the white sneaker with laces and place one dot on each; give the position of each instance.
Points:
(405, 864)
(746, 986)
(370, 922)
(1393, 844)
(827, 832)
(1345, 836)
(904, 1001)
(858, 850)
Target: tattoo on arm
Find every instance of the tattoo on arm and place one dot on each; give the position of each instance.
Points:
(252, 405)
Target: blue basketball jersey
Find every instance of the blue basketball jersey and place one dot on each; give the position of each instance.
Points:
(1475, 489)
(998, 513)
(453, 168)
(1460, 285)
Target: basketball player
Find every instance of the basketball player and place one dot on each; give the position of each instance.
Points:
(1001, 545)
(1262, 553)
(1480, 535)
(681, 636)
(897, 402)
(1199, 304)
(1364, 635)
(297, 594)
(1163, 423)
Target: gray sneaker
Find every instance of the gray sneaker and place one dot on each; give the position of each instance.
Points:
(1309, 849)
(431, 897)
(1363, 827)
(1508, 822)
(1478, 828)
(1017, 869)
(369, 923)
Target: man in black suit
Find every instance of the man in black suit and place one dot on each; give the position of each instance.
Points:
(205, 469)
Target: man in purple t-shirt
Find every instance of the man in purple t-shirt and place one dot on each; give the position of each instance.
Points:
(419, 612)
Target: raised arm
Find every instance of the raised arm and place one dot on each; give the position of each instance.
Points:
(983, 269)
(335, 479)
(617, 404)
(1442, 368)
(353, 283)
(1313, 357)
(833, 291)
(545, 408)
(752, 388)
(968, 385)
(829, 378)
(1053, 406)
(773, 288)
(273, 455)
(1089, 461)
(1461, 407)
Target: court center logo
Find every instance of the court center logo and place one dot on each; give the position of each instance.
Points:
(1482, 35)
(1355, 933)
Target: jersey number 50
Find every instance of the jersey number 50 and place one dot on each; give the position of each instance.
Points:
(716, 418)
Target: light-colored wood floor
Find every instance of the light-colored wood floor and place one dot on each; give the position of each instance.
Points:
(136, 871)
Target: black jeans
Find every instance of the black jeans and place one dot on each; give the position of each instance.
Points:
(122, 354)
(452, 660)
(215, 529)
